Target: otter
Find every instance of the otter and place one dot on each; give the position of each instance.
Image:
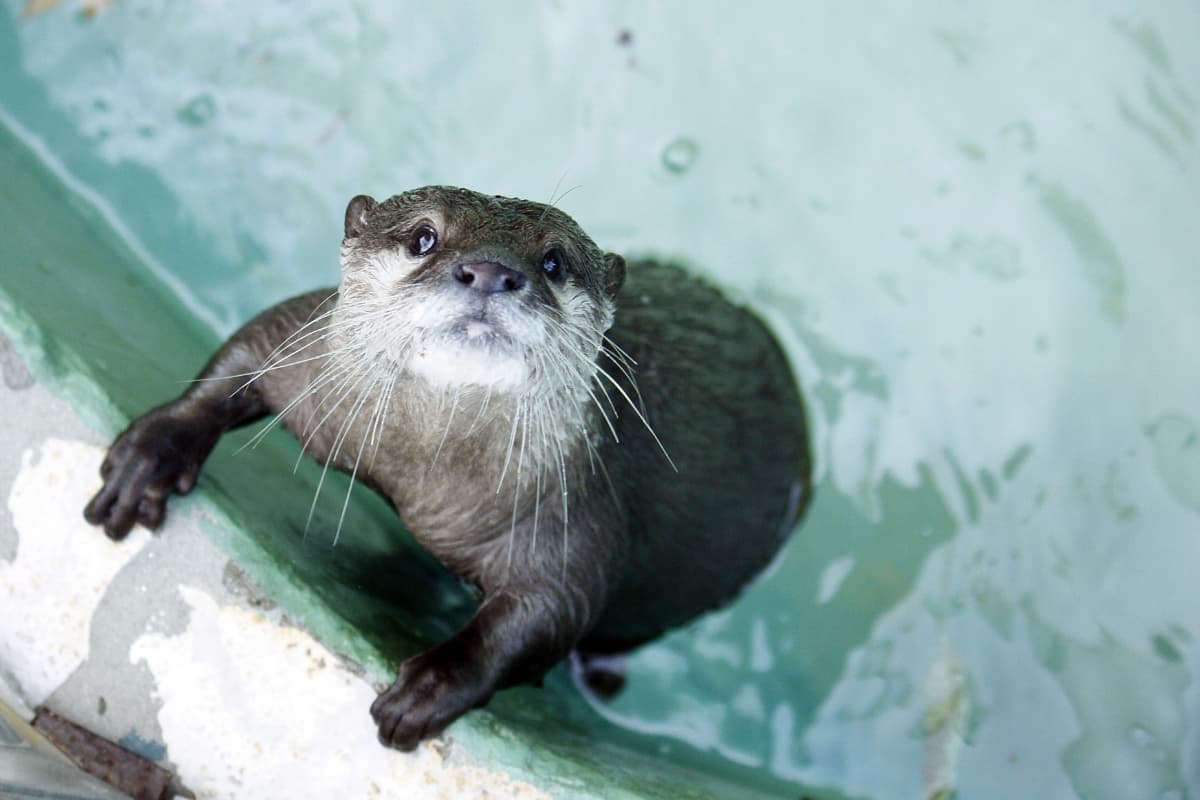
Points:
(604, 451)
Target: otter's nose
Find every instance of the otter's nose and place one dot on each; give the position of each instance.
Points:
(489, 277)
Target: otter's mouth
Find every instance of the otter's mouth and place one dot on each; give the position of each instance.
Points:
(477, 332)
(471, 351)
(459, 339)
(480, 328)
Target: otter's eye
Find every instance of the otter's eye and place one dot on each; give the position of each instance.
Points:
(554, 265)
(423, 240)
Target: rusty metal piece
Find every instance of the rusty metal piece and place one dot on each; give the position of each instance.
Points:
(120, 768)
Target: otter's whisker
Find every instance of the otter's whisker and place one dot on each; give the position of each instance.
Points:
(626, 370)
(640, 416)
(341, 377)
(363, 395)
(512, 437)
(446, 432)
(512, 531)
(537, 505)
(487, 396)
(570, 375)
(263, 371)
(316, 336)
(386, 397)
(325, 375)
(333, 455)
(303, 331)
(629, 360)
(566, 525)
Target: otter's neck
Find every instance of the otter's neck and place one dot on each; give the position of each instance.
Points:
(482, 432)
(467, 466)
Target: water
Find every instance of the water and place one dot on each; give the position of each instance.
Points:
(973, 226)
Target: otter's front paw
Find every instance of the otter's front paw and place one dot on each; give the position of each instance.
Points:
(431, 691)
(158, 454)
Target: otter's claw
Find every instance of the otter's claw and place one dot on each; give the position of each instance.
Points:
(156, 455)
(431, 691)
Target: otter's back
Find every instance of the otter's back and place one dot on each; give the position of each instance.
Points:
(718, 391)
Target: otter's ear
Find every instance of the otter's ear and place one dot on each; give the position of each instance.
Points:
(356, 214)
(614, 274)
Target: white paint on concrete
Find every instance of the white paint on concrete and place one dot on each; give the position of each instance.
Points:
(49, 592)
(252, 708)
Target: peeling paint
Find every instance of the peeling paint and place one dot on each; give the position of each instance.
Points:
(251, 708)
(49, 592)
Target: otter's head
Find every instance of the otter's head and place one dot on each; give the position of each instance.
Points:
(462, 288)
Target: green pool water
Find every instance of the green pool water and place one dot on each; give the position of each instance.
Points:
(973, 226)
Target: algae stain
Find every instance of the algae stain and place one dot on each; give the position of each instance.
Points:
(972, 151)
(1150, 44)
(1166, 649)
(1146, 38)
(1155, 134)
(1102, 264)
(1175, 442)
(1023, 133)
(964, 485)
(198, 111)
(961, 45)
(992, 257)
(993, 606)
(1116, 489)
(1013, 464)
(987, 482)
(890, 284)
(1177, 119)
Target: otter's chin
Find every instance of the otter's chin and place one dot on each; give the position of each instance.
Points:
(473, 358)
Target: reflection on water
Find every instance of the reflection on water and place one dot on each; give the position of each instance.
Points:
(975, 235)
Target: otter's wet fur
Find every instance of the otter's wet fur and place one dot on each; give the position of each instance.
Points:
(605, 451)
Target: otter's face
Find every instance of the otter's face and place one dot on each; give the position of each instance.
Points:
(461, 288)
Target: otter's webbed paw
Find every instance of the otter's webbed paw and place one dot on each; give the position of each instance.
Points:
(432, 690)
(159, 453)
